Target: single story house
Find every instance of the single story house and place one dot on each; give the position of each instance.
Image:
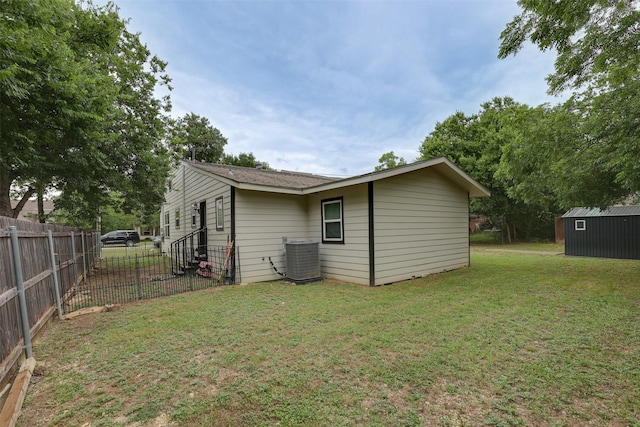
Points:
(372, 229)
(610, 233)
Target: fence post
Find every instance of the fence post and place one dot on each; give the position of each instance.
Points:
(75, 264)
(96, 246)
(54, 272)
(138, 284)
(84, 257)
(17, 264)
(90, 251)
(164, 264)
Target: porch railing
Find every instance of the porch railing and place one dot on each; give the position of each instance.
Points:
(188, 251)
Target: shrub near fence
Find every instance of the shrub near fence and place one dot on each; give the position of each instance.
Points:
(29, 305)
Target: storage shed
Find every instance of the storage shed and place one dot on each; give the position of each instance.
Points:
(610, 233)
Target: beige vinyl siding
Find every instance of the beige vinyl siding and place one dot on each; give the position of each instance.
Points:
(348, 261)
(420, 221)
(173, 200)
(188, 186)
(262, 219)
(421, 226)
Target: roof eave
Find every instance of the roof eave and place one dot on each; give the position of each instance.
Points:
(268, 188)
(458, 176)
(223, 178)
(440, 164)
(248, 186)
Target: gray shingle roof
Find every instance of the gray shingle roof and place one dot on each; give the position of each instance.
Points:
(306, 183)
(284, 179)
(611, 211)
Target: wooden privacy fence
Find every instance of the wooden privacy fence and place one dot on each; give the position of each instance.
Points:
(41, 265)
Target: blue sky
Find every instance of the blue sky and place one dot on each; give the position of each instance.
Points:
(328, 86)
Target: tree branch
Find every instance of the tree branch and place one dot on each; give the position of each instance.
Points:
(30, 192)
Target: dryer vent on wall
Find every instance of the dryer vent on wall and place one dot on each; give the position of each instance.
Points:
(303, 261)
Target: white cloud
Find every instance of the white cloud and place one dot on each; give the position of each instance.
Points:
(327, 87)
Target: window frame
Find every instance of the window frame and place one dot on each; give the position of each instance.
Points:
(580, 225)
(219, 206)
(325, 222)
(177, 219)
(167, 224)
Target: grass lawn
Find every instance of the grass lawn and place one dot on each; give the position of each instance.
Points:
(144, 248)
(514, 340)
(491, 240)
(546, 248)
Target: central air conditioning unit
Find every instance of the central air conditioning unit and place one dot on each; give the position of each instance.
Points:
(303, 261)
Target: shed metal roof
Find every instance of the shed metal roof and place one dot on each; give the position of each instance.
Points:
(631, 210)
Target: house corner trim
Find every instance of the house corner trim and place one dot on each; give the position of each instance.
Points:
(372, 246)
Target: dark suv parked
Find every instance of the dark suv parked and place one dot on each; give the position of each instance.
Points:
(121, 237)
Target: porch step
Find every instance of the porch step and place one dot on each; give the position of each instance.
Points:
(185, 269)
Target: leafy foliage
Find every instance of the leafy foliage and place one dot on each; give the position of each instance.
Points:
(596, 40)
(553, 159)
(195, 137)
(390, 160)
(247, 160)
(78, 111)
(475, 143)
(71, 211)
(598, 137)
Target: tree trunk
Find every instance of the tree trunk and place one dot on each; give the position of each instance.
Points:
(41, 216)
(5, 196)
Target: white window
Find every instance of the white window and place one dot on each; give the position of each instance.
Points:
(194, 212)
(332, 225)
(581, 225)
(219, 214)
(177, 219)
(167, 224)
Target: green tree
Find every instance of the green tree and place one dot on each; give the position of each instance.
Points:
(598, 59)
(78, 111)
(553, 160)
(110, 217)
(390, 160)
(193, 135)
(247, 160)
(475, 143)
